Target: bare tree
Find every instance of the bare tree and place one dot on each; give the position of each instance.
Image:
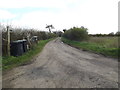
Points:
(50, 27)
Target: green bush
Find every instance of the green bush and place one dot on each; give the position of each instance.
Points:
(77, 34)
(51, 35)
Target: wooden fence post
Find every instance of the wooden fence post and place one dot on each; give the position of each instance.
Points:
(8, 41)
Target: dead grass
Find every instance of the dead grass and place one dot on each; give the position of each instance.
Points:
(108, 42)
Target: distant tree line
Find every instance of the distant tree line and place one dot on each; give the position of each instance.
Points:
(96, 35)
(58, 33)
(103, 35)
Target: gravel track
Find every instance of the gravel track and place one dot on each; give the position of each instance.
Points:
(62, 66)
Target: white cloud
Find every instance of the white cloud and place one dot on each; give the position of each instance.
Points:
(6, 15)
(34, 3)
(99, 16)
(39, 19)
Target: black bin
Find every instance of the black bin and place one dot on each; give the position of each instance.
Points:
(25, 46)
(18, 47)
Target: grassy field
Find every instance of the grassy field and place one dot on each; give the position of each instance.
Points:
(10, 62)
(107, 46)
(108, 42)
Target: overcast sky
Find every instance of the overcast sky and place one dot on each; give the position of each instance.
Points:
(99, 16)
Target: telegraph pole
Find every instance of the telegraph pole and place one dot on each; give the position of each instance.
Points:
(8, 41)
(49, 30)
(50, 27)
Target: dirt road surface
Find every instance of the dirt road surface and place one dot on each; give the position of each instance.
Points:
(62, 66)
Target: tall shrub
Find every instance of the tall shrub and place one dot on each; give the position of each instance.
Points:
(77, 34)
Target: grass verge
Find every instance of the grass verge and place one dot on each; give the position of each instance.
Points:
(11, 61)
(112, 52)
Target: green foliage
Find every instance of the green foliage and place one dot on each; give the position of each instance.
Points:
(77, 34)
(19, 34)
(10, 62)
(117, 33)
(97, 48)
(109, 42)
(51, 35)
(58, 33)
(106, 35)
